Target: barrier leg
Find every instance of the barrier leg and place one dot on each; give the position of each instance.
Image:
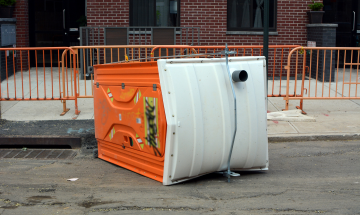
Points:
(302, 85)
(286, 98)
(286, 104)
(77, 112)
(301, 106)
(65, 110)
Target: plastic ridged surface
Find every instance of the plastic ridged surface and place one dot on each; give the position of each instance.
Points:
(199, 109)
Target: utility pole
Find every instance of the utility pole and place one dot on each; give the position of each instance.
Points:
(266, 37)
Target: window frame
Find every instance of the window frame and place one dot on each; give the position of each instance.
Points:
(131, 15)
(251, 29)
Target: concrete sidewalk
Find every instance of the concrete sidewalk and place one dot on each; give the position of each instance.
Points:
(334, 118)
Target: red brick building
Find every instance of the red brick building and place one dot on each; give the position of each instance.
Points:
(288, 20)
(216, 18)
(236, 22)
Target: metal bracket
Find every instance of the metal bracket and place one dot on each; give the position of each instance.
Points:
(97, 84)
(228, 173)
(226, 52)
(122, 85)
(154, 87)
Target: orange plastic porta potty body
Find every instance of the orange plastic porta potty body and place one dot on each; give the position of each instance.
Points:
(130, 122)
(173, 120)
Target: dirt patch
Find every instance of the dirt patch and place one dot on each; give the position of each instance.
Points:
(37, 199)
(57, 203)
(89, 204)
(9, 207)
(47, 190)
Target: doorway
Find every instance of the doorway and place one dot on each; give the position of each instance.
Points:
(55, 23)
(345, 13)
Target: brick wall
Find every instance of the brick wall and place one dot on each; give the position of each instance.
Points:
(108, 13)
(211, 17)
(21, 13)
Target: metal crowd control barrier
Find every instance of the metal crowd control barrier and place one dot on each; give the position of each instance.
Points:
(32, 84)
(144, 53)
(137, 36)
(65, 83)
(332, 74)
(103, 55)
(277, 59)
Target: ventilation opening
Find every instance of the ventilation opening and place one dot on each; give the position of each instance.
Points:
(239, 76)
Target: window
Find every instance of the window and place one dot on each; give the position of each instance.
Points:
(247, 15)
(154, 12)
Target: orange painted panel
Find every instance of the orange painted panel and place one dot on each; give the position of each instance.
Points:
(130, 123)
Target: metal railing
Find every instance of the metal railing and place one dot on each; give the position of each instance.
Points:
(32, 84)
(140, 35)
(103, 55)
(64, 82)
(277, 59)
(327, 73)
(135, 36)
(130, 53)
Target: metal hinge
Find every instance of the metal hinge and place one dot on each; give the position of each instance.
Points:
(97, 84)
(123, 85)
(154, 87)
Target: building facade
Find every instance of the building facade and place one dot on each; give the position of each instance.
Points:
(220, 21)
(56, 23)
(236, 22)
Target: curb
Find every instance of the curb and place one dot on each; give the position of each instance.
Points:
(316, 137)
(87, 141)
(44, 141)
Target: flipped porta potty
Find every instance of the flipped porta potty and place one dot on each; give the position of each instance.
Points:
(173, 120)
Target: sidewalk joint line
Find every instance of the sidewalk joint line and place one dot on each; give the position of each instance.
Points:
(273, 104)
(294, 127)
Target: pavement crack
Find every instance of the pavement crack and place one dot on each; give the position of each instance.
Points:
(280, 210)
(260, 195)
(321, 154)
(140, 208)
(40, 167)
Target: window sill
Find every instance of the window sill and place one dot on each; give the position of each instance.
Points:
(272, 33)
(147, 32)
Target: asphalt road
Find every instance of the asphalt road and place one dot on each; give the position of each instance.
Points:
(304, 178)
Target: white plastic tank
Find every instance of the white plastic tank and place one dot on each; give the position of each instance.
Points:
(199, 109)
